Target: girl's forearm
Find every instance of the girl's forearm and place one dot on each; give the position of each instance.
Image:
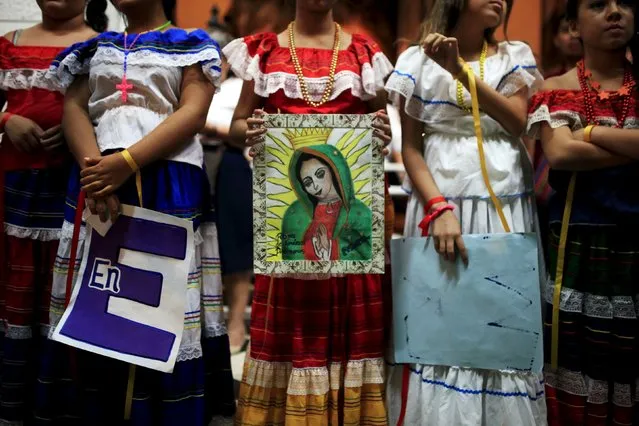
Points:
(620, 141)
(510, 112)
(169, 137)
(76, 123)
(180, 127)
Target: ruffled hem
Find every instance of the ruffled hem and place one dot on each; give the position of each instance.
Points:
(565, 108)
(71, 63)
(20, 332)
(451, 396)
(518, 77)
(209, 58)
(593, 305)
(277, 393)
(188, 353)
(428, 88)
(32, 233)
(555, 120)
(215, 330)
(173, 48)
(312, 380)
(596, 391)
(27, 79)
(364, 85)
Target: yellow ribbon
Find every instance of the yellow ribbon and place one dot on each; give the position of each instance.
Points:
(561, 260)
(138, 186)
(128, 402)
(136, 169)
(559, 272)
(480, 146)
(129, 159)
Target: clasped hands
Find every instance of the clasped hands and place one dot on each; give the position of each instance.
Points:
(100, 177)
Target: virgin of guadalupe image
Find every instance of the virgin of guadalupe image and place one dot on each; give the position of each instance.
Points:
(326, 222)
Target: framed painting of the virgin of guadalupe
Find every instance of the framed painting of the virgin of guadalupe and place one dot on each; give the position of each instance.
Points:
(318, 196)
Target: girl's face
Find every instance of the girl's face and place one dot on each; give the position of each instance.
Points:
(566, 42)
(267, 15)
(316, 6)
(490, 12)
(606, 24)
(317, 180)
(62, 9)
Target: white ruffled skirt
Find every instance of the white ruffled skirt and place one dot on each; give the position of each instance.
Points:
(455, 396)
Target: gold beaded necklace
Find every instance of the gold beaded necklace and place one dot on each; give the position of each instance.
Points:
(300, 75)
(460, 86)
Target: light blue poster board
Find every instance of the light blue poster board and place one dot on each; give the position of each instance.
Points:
(486, 315)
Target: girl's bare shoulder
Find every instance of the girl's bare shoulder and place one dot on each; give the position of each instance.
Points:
(567, 81)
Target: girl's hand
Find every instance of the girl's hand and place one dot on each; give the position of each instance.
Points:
(383, 129)
(256, 130)
(447, 234)
(52, 138)
(102, 176)
(578, 135)
(444, 51)
(23, 133)
(105, 207)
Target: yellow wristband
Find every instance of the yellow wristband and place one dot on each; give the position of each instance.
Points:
(588, 132)
(130, 161)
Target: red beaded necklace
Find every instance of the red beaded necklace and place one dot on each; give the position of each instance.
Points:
(590, 88)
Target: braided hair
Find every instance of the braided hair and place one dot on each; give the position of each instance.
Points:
(96, 16)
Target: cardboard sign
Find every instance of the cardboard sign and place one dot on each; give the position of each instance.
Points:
(318, 196)
(129, 298)
(486, 315)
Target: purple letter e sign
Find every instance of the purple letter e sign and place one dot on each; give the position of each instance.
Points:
(128, 299)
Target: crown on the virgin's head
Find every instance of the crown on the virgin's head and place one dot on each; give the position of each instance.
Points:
(309, 136)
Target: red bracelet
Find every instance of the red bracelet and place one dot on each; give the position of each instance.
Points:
(5, 117)
(425, 223)
(432, 202)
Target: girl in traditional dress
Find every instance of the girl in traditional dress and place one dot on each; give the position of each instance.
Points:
(588, 122)
(317, 345)
(34, 170)
(135, 101)
(442, 161)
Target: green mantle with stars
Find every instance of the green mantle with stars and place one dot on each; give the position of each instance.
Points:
(354, 222)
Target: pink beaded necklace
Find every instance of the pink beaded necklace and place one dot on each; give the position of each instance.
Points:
(124, 85)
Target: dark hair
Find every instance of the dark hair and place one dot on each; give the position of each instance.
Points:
(444, 17)
(555, 22)
(96, 16)
(572, 10)
(284, 8)
(305, 156)
(237, 8)
(169, 9)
